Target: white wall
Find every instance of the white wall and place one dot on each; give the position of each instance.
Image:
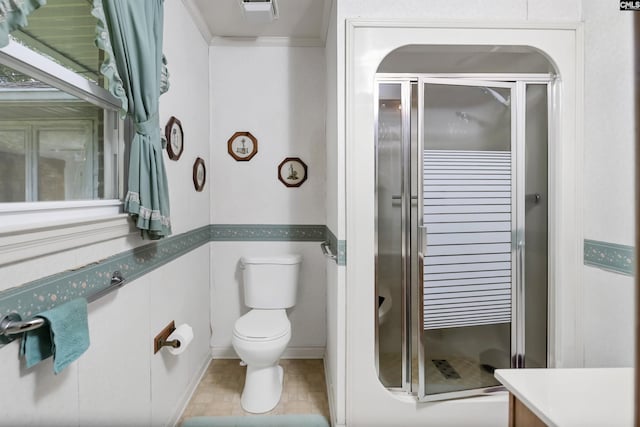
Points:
(277, 94)
(119, 381)
(608, 179)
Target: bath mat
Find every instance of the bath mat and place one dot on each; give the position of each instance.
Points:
(258, 421)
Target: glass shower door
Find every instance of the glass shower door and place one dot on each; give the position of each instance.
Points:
(391, 146)
(467, 235)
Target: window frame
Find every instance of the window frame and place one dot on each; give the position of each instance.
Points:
(50, 225)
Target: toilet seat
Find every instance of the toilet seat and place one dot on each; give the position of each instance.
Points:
(262, 325)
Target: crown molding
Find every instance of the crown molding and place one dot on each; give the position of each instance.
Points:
(198, 19)
(326, 19)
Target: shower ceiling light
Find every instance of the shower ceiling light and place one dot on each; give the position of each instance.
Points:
(259, 10)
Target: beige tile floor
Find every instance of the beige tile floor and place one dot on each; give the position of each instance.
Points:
(218, 393)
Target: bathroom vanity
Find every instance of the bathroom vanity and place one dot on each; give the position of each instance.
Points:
(569, 397)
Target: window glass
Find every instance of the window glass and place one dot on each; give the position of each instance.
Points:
(12, 164)
(53, 145)
(64, 30)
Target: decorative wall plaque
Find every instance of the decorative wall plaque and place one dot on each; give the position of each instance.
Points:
(175, 138)
(242, 146)
(292, 172)
(199, 174)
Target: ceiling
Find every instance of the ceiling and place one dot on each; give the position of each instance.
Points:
(302, 21)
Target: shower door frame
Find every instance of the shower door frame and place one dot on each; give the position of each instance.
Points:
(405, 211)
(411, 333)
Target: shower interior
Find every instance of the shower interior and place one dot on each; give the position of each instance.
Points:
(461, 174)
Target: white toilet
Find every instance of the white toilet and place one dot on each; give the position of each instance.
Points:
(261, 336)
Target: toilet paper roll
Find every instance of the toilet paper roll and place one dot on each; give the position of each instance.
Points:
(184, 335)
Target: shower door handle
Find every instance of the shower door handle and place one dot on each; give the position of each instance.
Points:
(396, 199)
(423, 240)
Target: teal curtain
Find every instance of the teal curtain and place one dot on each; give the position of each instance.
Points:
(136, 67)
(13, 15)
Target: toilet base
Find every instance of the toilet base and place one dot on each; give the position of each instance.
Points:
(262, 389)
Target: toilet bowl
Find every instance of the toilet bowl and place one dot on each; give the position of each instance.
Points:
(261, 336)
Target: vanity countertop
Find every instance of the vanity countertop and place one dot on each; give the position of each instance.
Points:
(595, 397)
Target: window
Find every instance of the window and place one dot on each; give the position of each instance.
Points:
(61, 139)
(53, 145)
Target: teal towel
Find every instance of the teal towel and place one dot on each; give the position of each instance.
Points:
(65, 335)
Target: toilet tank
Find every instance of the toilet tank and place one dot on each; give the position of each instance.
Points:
(270, 282)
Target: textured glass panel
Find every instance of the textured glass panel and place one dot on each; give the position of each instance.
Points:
(389, 234)
(65, 163)
(53, 144)
(12, 165)
(536, 227)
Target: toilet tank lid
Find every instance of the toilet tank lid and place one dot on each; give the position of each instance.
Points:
(280, 259)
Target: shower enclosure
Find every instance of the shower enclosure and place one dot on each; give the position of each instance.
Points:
(461, 230)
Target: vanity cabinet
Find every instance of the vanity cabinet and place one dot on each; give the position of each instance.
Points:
(521, 416)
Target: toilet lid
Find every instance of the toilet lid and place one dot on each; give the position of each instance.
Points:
(263, 324)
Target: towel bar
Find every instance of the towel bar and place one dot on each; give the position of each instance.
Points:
(13, 325)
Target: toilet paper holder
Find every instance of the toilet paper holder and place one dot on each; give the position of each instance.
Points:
(161, 340)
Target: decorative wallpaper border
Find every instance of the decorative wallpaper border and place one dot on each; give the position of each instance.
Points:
(43, 294)
(610, 256)
(338, 247)
(268, 232)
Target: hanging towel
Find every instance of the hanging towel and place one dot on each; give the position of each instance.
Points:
(65, 335)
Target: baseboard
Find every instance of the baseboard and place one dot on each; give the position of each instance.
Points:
(289, 353)
(191, 388)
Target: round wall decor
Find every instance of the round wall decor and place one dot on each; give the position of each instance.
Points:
(292, 172)
(175, 138)
(242, 146)
(199, 174)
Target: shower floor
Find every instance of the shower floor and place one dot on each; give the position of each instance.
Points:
(470, 374)
(218, 393)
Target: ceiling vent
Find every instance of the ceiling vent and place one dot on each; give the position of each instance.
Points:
(259, 10)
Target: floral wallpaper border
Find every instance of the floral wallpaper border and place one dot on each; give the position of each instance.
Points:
(268, 232)
(338, 247)
(610, 256)
(42, 294)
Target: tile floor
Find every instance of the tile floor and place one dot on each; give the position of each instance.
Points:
(305, 391)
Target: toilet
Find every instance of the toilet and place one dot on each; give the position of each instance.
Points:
(261, 336)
